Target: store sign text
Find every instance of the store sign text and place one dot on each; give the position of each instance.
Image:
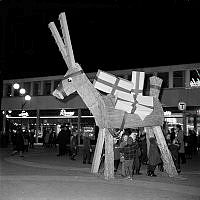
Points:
(63, 112)
(23, 114)
(194, 83)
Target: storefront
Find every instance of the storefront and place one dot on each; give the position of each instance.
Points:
(189, 119)
(77, 119)
(181, 83)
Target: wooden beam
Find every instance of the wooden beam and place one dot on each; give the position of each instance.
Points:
(58, 41)
(165, 153)
(109, 156)
(98, 151)
(67, 40)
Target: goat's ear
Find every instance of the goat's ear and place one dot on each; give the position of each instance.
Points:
(77, 65)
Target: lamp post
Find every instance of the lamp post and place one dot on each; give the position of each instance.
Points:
(22, 92)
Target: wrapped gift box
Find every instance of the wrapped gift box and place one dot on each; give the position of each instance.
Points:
(109, 83)
(143, 105)
(138, 82)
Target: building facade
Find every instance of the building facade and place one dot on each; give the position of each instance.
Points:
(180, 97)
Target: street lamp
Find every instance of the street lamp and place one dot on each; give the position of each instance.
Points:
(27, 97)
(16, 86)
(22, 91)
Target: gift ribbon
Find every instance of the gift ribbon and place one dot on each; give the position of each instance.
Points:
(113, 86)
(135, 103)
(155, 87)
(73, 74)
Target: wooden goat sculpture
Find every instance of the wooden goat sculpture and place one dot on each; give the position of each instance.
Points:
(102, 107)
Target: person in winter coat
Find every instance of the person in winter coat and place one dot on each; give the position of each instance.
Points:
(174, 148)
(26, 138)
(123, 143)
(87, 149)
(180, 139)
(116, 154)
(129, 152)
(62, 140)
(143, 148)
(19, 143)
(32, 139)
(46, 138)
(136, 154)
(74, 144)
(13, 138)
(154, 157)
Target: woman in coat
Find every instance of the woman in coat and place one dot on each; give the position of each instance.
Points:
(154, 157)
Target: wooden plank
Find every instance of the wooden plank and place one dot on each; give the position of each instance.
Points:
(67, 40)
(165, 153)
(98, 151)
(109, 156)
(58, 40)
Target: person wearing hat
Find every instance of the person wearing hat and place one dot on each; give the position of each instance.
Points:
(128, 151)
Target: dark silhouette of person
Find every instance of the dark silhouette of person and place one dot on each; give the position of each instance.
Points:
(62, 140)
(154, 157)
(87, 149)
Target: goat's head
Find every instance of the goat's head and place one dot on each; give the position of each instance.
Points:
(70, 82)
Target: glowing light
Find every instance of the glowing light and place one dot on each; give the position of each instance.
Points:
(16, 86)
(22, 91)
(27, 97)
(23, 114)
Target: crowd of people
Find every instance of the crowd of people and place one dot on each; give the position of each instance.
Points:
(66, 141)
(131, 150)
(22, 140)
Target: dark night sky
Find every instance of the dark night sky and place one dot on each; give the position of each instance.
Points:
(108, 36)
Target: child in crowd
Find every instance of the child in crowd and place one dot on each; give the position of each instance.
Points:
(123, 143)
(128, 151)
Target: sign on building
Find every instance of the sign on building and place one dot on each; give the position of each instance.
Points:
(182, 105)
